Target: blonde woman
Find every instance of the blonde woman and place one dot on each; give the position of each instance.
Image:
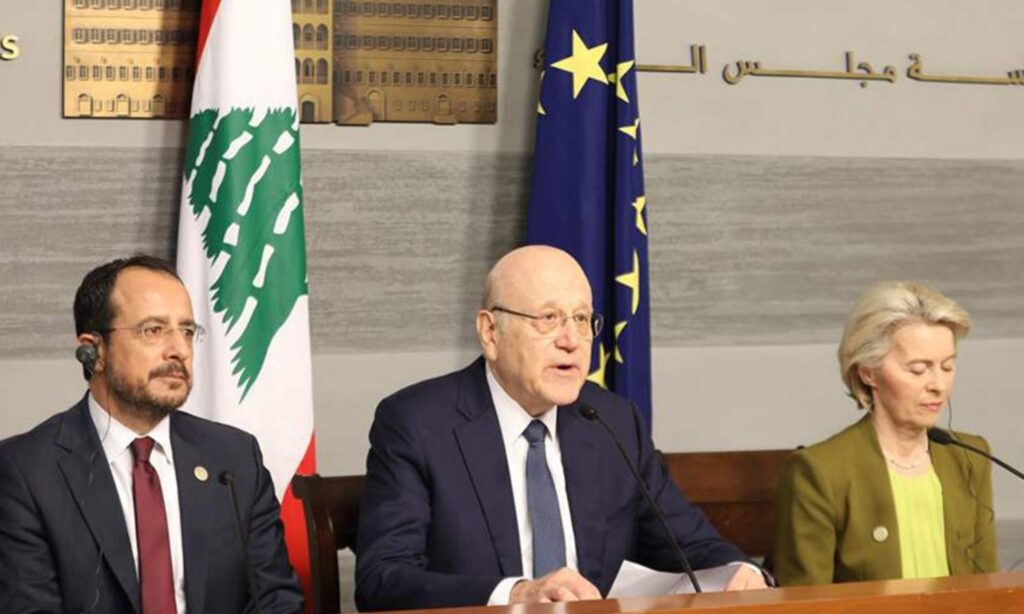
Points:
(875, 501)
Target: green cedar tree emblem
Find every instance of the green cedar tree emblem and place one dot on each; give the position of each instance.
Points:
(248, 177)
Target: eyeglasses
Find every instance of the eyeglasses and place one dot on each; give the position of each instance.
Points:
(152, 333)
(586, 325)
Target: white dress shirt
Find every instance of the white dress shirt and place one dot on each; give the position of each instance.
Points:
(513, 420)
(116, 440)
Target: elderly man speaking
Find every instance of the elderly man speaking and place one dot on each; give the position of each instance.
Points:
(488, 486)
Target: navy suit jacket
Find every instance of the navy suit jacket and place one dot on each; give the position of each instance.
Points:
(64, 544)
(437, 524)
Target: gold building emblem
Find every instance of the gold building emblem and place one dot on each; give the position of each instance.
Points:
(129, 58)
(364, 62)
(356, 62)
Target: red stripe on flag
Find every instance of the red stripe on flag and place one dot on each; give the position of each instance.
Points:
(205, 22)
(294, 519)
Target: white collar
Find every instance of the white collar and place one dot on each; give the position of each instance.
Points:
(512, 418)
(116, 437)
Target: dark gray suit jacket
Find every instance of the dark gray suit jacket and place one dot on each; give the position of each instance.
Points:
(64, 544)
(437, 526)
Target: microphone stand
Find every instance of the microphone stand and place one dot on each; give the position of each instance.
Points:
(943, 437)
(592, 414)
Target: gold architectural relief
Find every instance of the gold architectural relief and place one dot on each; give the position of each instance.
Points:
(129, 58)
(364, 62)
(356, 62)
(312, 24)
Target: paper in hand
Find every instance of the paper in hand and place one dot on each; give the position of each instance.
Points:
(635, 580)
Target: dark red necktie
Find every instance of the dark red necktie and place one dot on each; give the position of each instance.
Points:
(156, 580)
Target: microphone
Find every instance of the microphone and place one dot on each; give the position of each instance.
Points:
(592, 414)
(227, 479)
(944, 438)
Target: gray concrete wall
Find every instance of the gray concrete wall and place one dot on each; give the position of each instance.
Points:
(745, 250)
(755, 262)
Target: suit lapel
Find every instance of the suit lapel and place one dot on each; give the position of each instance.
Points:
(582, 466)
(954, 505)
(196, 502)
(479, 438)
(876, 499)
(88, 476)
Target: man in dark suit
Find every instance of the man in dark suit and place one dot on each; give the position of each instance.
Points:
(119, 504)
(488, 485)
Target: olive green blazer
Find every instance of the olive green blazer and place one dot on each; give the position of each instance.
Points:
(836, 520)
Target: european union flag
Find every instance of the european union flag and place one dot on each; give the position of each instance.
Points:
(587, 195)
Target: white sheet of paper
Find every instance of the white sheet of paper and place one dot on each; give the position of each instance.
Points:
(635, 580)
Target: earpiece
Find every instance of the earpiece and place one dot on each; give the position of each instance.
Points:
(87, 354)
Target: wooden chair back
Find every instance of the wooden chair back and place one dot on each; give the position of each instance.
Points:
(331, 506)
(736, 491)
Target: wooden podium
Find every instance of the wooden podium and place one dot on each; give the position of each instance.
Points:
(998, 592)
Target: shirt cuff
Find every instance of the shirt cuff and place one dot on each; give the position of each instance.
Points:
(768, 578)
(501, 593)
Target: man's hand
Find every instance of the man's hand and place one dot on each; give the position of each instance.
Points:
(746, 578)
(562, 585)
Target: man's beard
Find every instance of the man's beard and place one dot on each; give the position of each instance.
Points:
(137, 395)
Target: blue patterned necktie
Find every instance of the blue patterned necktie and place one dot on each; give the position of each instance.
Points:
(545, 519)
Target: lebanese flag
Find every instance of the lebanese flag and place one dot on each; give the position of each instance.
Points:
(241, 243)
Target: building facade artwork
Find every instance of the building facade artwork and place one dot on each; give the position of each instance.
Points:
(397, 61)
(312, 21)
(356, 62)
(129, 58)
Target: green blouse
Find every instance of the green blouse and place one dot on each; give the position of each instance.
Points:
(920, 519)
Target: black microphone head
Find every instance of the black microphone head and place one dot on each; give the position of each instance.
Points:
(589, 412)
(86, 354)
(940, 436)
(226, 478)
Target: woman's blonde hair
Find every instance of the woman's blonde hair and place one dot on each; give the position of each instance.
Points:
(881, 311)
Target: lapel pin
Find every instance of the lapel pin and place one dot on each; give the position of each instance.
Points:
(201, 473)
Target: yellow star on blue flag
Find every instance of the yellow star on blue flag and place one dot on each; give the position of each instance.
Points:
(584, 64)
(587, 193)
